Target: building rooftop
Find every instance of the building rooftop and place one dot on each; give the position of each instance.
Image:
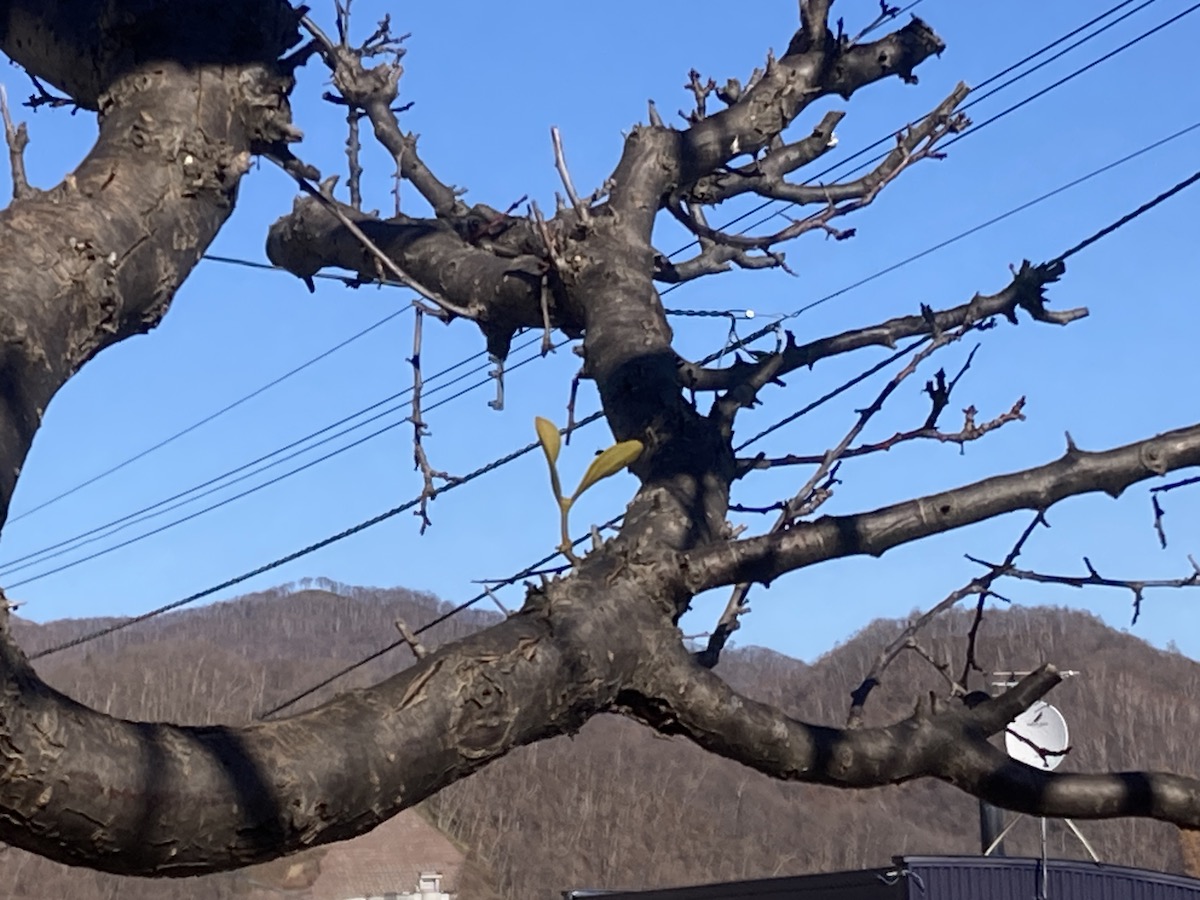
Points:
(946, 878)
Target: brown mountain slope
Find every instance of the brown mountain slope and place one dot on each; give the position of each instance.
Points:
(617, 806)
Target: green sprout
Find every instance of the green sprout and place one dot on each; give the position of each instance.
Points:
(608, 462)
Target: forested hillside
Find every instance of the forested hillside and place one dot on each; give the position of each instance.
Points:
(575, 812)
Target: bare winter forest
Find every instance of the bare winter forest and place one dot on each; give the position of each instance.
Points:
(580, 811)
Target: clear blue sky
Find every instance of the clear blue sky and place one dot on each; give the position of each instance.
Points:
(486, 89)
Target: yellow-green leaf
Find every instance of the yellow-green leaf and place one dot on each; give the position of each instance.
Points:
(549, 437)
(611, 461)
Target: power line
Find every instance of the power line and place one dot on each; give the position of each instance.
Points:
(220, 412)
(1086, 242)
(319, 545)
(531, 569)
(225, 479)
(1126, 219)
(258, 487)
(993, 221)
(1133, 42)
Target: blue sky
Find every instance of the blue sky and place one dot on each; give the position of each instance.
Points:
(486, 92)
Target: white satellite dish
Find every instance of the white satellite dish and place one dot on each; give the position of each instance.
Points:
(1039, 730)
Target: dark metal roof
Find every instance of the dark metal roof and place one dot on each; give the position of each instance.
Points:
(950, 878)
(989, 878)
(867, 884)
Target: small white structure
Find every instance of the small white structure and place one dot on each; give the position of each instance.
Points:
(429, 887)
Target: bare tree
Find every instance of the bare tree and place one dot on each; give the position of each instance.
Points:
(187, 95)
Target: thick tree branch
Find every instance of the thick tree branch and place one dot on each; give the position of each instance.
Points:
(156, 799)
(501, 294)
(681, 697)
(778, 161)
(99, 257)
(83, 47)
(950, 744)
(811, 68)
(17, 138)
(375, 90)
(714, 257)
(1076, 472)
(658, 160)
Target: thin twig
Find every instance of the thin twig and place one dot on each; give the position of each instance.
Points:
(970, 664)
(409, 638)
(571, 405)
(429, 490)
(980, 586)
(18, 139)
(492, 596)
(547, 328)
(353, 147)
(700, 90)
(970, 431)
(557, 262)
(497, 373)
(1094, 579)
(560, 163)
(1159, 512)
(44, 98)
(327, 46)
(886, 14)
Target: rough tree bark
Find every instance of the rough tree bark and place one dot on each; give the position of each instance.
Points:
(186, 94)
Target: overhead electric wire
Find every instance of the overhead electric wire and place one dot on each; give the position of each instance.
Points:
(1071, 76)
(258, 487)
(531, 569)
(204, 421)
(225, 479)
(940, 245)
(348, 280)
(319, 545)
